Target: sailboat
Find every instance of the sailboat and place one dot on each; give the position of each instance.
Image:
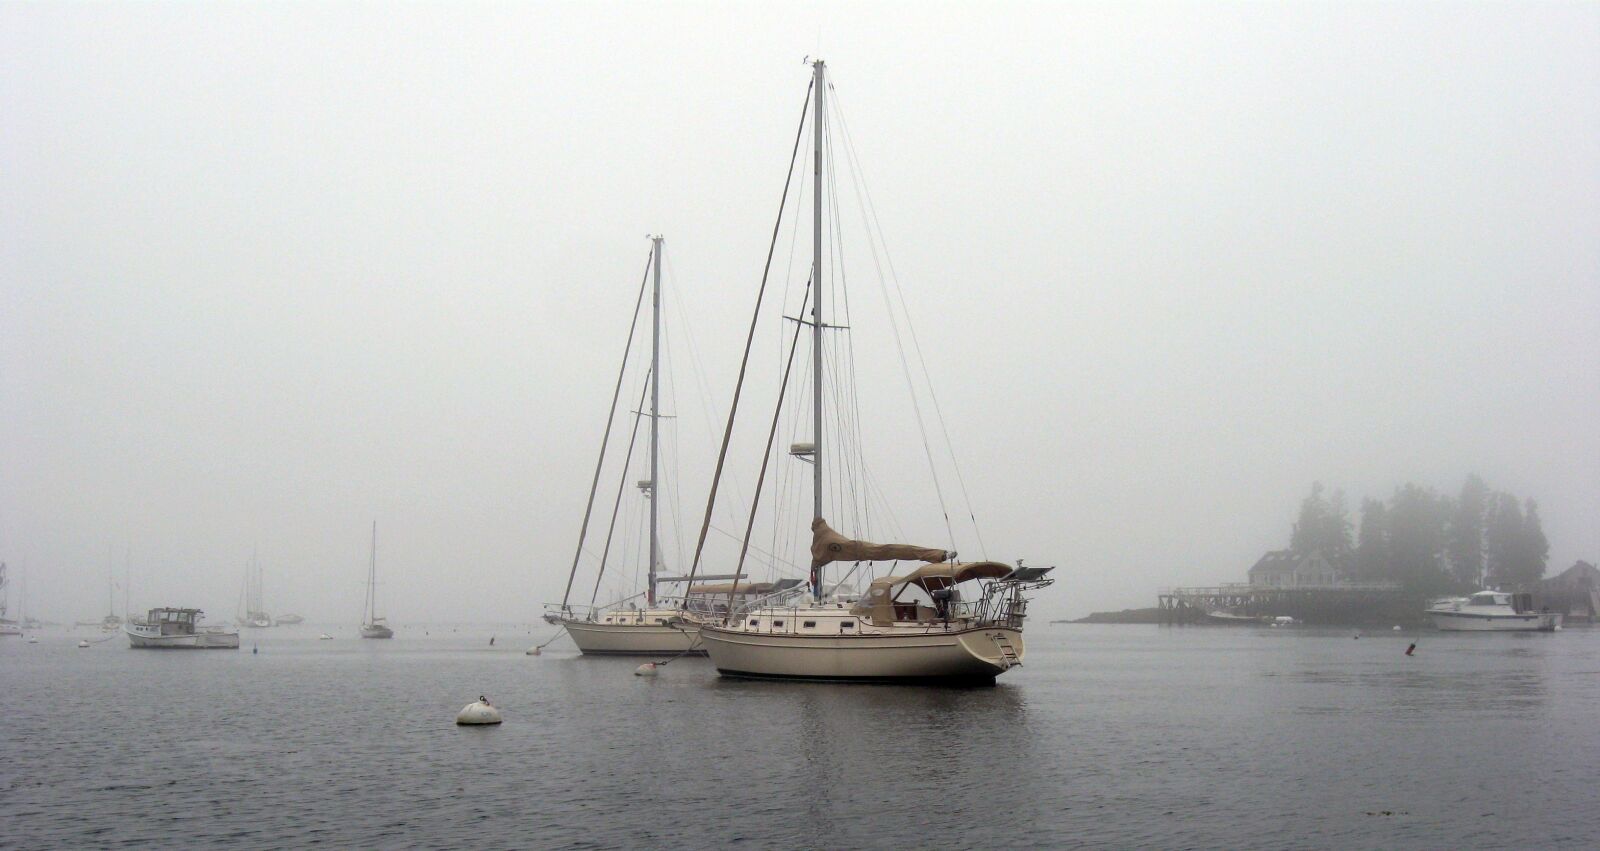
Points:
(254, 615)
(656, 628)
(7, 626)
(112, 622)
(944, 621)
(373, 625)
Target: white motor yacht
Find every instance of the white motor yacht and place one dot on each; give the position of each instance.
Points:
(1492, 611)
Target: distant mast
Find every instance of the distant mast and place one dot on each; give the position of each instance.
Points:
(372, 579)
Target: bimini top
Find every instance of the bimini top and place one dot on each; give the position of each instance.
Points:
(878, 603)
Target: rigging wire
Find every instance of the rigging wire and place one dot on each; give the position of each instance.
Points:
(622, 487)
(864, 198)
(744, 362)
(610, 417)
(772, 432)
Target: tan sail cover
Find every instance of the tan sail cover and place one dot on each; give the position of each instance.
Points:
(878, 603)
(830, 546)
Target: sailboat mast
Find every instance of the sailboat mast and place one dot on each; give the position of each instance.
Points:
(818, 87)
(655, 412)
(372, 576)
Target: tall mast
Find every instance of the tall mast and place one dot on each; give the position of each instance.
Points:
(655, 411)
(818, 86)
(372, 576)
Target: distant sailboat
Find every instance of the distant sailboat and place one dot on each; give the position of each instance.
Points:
(372, 624)
(255, 615)
(7, 626)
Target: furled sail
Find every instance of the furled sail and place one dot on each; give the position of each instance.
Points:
(830, 546)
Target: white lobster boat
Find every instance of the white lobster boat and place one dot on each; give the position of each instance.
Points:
(1492, 611)
(180, 629)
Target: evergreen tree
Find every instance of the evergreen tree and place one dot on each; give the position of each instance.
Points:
(1417, 518)
(1372, 549)
(1335, 540)
(1313, 523)
(1503, 540)
(1465, 535)
(1534, 551)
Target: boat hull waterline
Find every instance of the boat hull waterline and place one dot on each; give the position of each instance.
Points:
(196, 641)
(970, 655)
(603, 639)
(1470, 622)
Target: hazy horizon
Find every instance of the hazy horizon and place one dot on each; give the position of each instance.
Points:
(269, 273)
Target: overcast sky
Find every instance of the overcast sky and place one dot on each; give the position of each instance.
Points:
(269, 272)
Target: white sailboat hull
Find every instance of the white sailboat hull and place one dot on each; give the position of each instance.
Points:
(10, 628)
(647, 639)
(196, 641)
(1473, 622)
(971, 655)
(376, 631)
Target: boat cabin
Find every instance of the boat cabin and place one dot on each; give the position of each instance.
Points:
(1518, 603)
(926, 595)
(173, 621)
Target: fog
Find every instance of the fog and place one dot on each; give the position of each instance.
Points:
(271, 272)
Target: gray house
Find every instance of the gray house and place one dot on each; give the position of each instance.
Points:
(1288, 569)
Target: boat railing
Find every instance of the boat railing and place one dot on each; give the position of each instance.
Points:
(1005, 603)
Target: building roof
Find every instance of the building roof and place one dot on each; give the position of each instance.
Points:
(1581, 574)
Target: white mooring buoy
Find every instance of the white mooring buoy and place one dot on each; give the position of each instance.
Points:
(534, 650)
(479, 711)
(1396, 627)
(33, 639)
(83, 644)
(648, 669)
(324, 637)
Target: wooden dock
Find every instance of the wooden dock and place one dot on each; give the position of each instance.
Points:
(1344, 603)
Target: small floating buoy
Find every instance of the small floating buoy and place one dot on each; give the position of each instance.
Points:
(324, 637)
(1411, 649)
(478, 712)
(1396, 627)
(83, 644)
(33, 639)
(648, 669)
(534, 650)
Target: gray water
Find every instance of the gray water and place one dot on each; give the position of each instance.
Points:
(1110, 736)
